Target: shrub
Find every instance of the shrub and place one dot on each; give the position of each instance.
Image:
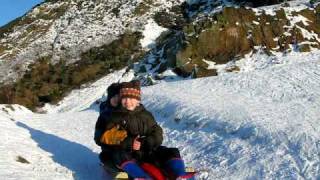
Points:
(48, 83)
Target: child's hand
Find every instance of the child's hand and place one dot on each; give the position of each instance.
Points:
(113, 136)
(136, 144)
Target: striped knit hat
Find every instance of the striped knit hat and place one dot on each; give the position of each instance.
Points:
(130, 90)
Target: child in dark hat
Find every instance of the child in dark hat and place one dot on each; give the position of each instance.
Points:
(112, 99)
(110, 104)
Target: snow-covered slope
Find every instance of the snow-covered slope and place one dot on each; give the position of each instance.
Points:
(65, 29)
(58, 146)
(261, 124)
(60, 45)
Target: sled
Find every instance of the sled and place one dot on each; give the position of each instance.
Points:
(114, 172)
(117, 174)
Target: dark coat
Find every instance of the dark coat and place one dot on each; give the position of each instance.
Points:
(105, 113)
(139, 122)
(103, 106)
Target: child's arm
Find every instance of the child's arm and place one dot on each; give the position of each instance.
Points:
(154, 137)
(99, 129)
(107, 132)
(113, 136)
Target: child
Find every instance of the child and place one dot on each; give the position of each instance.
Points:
(106, 108)
(112, 100)
(133, 136)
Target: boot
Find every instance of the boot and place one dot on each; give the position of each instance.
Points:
(134, 170)
(177, 168)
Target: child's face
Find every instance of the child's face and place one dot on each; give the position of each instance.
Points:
(130, 103)
(114, 101)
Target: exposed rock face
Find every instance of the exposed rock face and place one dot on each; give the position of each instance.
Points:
(228, 35)
(237, 31)
(257, 3)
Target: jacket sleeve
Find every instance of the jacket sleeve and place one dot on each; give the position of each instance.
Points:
(99, 129)
(154, 135)
(101, 124)
(103, 106)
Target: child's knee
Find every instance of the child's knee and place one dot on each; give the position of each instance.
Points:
(174, 152)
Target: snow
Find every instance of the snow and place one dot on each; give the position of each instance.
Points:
(255, 22)
(290, 11)
(170, 76)
(309, 35)
(66, 36)
(262, 123)
(287, 34)
(299, 18)
(151, 33)
(221, 68)
(86, 96)
(211, 64)
(259, 125)
(54, 146)
(93, 24)
(260, 60)
(295, 5)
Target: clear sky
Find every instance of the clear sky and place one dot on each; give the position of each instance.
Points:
(12, 9)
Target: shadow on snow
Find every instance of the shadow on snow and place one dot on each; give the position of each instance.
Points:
(81, 160)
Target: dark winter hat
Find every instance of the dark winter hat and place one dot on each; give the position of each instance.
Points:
(113, 90)
(130, 90)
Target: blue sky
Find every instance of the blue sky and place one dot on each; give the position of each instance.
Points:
(11, 9)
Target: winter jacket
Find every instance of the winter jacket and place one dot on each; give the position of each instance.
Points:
(139, 122)
(102, 106)
(105, 106)
(105, 112)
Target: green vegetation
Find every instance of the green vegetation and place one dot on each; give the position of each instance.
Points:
(49, 83)
(33, 28)
(314, 1)
(2, 48)
(226, 36)
(143, 7)
(25, 20)
(8, 28)
(47, 14)
(175, 18)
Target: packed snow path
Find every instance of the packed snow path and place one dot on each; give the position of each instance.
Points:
(257, 125)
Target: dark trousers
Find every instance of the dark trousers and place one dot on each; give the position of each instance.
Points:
(161, 156)
(158, 157)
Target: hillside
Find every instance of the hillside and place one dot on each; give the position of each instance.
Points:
(60, 46)
(234, 84)
(256, 125)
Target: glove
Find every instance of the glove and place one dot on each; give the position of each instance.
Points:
(113, 136)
